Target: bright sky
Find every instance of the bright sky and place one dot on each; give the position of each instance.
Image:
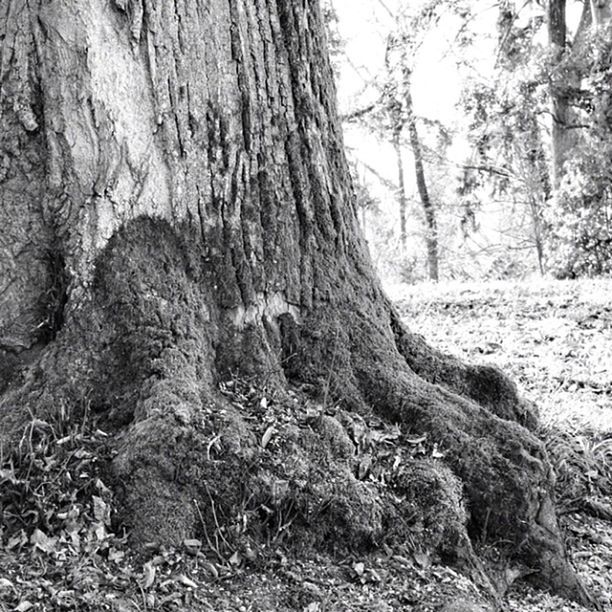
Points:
(436, 85)
(364, 26)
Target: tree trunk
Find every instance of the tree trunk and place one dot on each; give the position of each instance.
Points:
(431, 230)
(601, 11)
(557, 38)
(535, 209)
(177, 217)
(401, 189)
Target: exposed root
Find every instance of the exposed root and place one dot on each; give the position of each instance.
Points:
(506, 476)
(394, 444)
(485, 384)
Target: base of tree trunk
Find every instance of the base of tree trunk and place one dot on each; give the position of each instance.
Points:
(337, 430)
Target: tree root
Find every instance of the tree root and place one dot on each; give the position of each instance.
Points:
(397, 445)
(477, 422)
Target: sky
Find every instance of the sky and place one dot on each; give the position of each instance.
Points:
(436, 86)
(364, 25)
(437, 83)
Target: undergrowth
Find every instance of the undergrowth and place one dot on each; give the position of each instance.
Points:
(52, 486)
(582, 460)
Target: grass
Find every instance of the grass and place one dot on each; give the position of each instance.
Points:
(553, 337)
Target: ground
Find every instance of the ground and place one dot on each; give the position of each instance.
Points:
(554, 338)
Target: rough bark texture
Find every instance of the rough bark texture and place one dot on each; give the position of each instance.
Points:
(177, 216)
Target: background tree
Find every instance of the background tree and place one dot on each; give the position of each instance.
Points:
(509, 160)
(580, 237)
(392, 114)
(402, 48)
(179, 227)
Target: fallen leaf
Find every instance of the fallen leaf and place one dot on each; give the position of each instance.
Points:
(265, 439)
(100, 510)
(148, 576)
(115, 555)
(422, 559)
(365, 463)
(42, 541)
(187, 581)
(436, 453)
(173, 597)
(212, 570)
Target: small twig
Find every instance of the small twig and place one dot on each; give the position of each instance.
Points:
(211, 444)
(208, 540)
(143, 595)
(214, 512)
(485, 526)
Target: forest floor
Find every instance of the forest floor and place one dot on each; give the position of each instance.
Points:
(554, 338)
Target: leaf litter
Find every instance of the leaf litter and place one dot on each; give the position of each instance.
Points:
(61, 548)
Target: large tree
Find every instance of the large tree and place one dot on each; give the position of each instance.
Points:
(177, 216)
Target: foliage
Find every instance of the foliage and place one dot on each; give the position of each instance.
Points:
(505, 182)
(580, 218)
(570, 227)
(580, 240)
(503, 213)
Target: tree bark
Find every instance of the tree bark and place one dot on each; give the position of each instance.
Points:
(431, 231)
(401, 189)
(177, 216)
(557, 38)
(601, 11)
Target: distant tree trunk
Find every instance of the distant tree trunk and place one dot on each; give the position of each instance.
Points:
(596, 13)
(584, 26)
(177, 216)
(557, 38)
(534, 175)
(538, 235)
(431, 230)
(401, 189)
